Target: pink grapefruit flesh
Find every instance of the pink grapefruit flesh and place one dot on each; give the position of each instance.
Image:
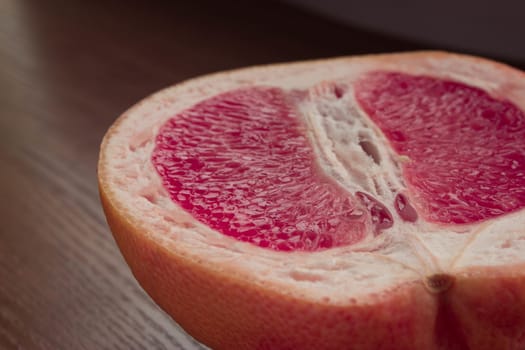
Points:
(240, 163)
(466, 148)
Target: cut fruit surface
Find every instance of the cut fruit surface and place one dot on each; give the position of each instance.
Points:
(466, 148)
(240, 162)
(361, 203)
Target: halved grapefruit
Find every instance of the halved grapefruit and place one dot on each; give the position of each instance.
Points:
(370, 202)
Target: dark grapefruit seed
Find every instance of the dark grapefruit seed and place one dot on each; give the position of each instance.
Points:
(403, 207)
(240, 163)
(467, 148)
(380, 215)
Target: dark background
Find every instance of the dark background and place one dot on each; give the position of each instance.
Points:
(67, 70)
(482, 26)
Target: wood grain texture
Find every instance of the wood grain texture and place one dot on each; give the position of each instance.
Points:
(67, 70)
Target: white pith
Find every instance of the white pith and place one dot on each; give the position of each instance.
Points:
(408, 252)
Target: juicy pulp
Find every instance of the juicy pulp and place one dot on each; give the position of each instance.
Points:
(466, 149)
(240, 162)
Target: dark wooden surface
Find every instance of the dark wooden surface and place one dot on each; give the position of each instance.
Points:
(67, 70)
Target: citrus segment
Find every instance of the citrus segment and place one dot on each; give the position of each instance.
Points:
(240, 162)
(466, 148)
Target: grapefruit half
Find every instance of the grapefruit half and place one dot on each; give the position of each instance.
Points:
(371, 202)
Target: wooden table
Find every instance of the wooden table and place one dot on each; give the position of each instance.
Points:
(67, 70)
